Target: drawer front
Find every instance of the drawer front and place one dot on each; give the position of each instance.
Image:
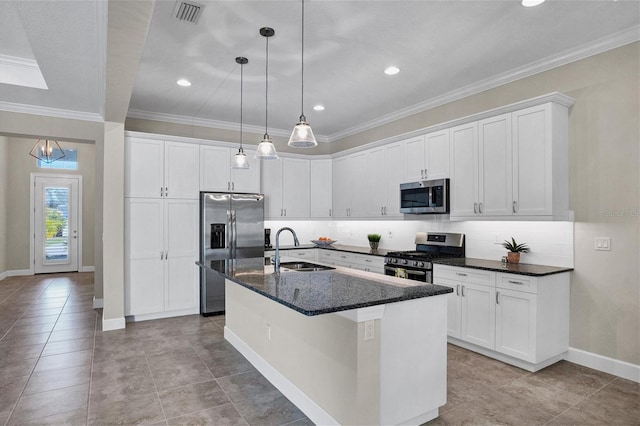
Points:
(302, 254)
(327, 255)
(368, 261)
(465, 275)
(517, 282)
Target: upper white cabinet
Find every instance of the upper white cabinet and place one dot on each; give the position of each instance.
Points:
(320, 172)
(540, 161)
(216, 173)
(159, 169)
(384, 180)
(512, 165)
(426, 157)
(285, 185)
(351, 186)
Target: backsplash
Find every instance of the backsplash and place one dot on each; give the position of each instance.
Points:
(551, 243)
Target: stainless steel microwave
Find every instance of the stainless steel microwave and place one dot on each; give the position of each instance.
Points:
(424, 197)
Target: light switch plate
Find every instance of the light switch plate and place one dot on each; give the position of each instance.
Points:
(603, 244)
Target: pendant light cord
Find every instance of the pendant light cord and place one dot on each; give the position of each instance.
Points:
(302, 61)
(266, 88)
(241, 81)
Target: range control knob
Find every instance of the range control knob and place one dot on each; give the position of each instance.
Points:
(421, 264)
(394, 260)
(404, 262)
(415, 263)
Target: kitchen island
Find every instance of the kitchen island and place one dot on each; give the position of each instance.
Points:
(347, 347)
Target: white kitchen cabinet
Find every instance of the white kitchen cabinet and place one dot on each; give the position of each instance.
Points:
(161, 248)
(285, 185)
(516, 167)
(351, 186)
(518, 319)
(216, 173)
(540, 161)
(464, 170)
(320, 173)
(516, 324)
(478, 322)
(495, 177)
(385, 177)
(155, 168)
(426, 157)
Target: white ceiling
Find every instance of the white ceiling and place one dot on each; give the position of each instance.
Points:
(443, 48)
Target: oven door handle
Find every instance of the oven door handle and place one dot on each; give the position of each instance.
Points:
(388, 268)
(420, 273)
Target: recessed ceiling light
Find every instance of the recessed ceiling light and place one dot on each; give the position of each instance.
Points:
(531, 3)
(183, 82)
(392, 71)
(318, 108)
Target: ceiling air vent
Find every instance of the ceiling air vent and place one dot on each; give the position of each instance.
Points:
(187, 11)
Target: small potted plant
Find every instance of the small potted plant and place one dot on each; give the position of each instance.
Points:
(513, 256)
(374, 240)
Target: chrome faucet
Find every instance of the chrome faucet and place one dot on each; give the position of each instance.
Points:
(276, 258)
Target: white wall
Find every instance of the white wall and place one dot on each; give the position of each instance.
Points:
(4, 187)
(551, 243)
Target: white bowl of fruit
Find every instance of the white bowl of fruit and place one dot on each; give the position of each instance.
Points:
(323, 241)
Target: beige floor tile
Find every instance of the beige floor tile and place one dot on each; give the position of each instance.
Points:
(58, 379)
(65, 360)
(224, 415)
(191, 398)
(49, 403)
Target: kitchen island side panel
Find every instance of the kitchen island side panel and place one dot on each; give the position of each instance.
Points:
(324, 356)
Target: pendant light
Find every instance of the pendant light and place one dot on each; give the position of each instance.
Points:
(47, 151)
(240, 159)
(302, 135)
(266, 150)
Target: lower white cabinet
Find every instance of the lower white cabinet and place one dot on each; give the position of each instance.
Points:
(161, 248)
(518, 319)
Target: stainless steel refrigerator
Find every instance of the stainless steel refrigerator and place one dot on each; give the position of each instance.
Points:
(231, 227)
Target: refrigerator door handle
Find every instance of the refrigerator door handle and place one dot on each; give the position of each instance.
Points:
(233, 230)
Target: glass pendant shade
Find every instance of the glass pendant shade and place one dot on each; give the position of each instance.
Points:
(240, 160)
(266, 150)
(302, 135)
(47, 151)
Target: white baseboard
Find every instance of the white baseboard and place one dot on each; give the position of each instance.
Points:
(113, 324)
(3, 275)
(98, 303)
(19, 273)
(623, 369)
(87, 269)
(312, 410)
(159, 315)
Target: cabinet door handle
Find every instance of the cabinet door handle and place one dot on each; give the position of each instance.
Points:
(161, 255)
(385, 210)
(463, 291)
(457, 289)
(330, 213)
(475, 208)
(166, 255)
(514, 207)
(161, 192)
(516, 282)
(461, 274)
(285, 212)
(166, 191)
(233, 186)
(368, 260)
(281, 212)
(426, 173)
(480, 207)
(381, 211)
(497, 297)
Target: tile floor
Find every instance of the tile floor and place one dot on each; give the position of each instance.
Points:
(58, 367)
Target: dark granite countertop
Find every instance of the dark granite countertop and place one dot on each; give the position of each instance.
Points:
(322, 292)
(511, 268)
(338, 247)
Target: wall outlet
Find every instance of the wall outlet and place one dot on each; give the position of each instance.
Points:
(369, 330)
(603, 244)
(389, 234)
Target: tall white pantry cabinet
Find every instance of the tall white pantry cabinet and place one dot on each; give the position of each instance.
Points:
(161, 228)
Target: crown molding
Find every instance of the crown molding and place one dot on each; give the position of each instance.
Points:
(601, 45)
(204, 122)
(50, 112)
(23, 72)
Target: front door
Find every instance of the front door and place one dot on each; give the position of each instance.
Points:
(55, 221)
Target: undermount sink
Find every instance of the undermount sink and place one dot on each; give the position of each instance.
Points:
(304, 267)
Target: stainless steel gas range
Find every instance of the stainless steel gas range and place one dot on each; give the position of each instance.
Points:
(416, 265)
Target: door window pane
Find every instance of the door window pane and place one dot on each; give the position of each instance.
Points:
(56, 223)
